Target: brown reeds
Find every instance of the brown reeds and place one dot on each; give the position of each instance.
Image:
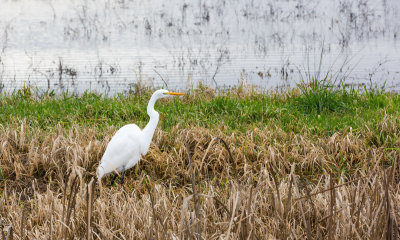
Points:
(201, 184)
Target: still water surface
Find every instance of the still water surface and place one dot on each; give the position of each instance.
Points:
(109, 46)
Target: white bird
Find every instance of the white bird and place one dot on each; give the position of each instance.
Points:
(130, 142)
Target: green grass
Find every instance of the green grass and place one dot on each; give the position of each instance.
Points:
(317, 107)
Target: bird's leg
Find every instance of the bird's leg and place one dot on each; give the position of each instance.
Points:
(113, 179)
(122, 177)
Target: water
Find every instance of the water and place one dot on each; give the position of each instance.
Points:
(109, 46)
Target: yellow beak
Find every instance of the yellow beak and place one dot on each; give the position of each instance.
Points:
(175, 93)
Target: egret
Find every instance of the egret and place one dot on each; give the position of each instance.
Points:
(130, 142)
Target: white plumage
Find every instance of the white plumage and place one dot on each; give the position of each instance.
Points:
(130, 142)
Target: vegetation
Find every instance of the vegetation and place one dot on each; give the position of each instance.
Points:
(314, 162)
(315, 106)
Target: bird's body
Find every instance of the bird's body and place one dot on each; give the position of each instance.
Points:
(123, 151)
(130, 142)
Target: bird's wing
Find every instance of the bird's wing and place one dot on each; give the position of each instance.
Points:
(123, 149)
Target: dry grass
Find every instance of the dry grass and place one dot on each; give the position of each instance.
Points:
(202, 184)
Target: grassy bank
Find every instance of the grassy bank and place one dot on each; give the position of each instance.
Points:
(316, 108)
(308, 163)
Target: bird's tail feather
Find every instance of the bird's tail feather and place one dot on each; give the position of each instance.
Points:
(100, 172)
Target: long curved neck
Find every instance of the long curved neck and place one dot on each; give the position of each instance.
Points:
(148, 131)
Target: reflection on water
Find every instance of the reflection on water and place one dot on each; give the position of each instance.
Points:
(108, 46)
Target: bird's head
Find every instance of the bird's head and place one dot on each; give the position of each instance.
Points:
(162, 93)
